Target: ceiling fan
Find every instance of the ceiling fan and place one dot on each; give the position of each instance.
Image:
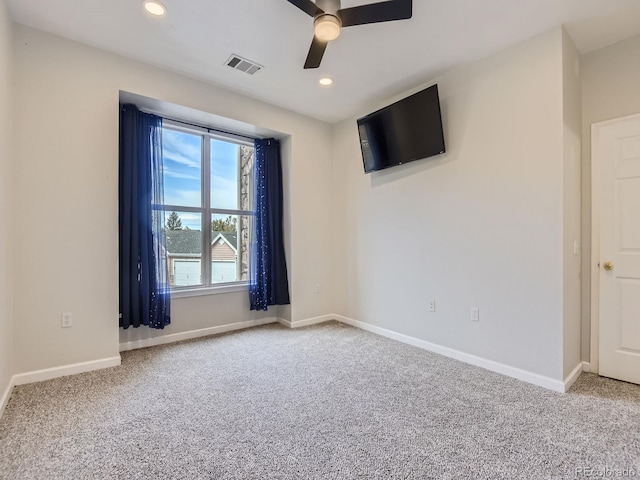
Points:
(329, 19)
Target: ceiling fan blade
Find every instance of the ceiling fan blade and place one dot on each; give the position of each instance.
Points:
(307, 6)
(316, 52)
(376, 13)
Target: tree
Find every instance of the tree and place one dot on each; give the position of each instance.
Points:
(174, 222)
(224, 225)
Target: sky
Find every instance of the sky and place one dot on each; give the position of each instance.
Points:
(183, 169)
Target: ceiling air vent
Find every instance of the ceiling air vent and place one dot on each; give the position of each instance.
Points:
(247, 66)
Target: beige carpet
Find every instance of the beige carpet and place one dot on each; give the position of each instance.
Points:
(324, 402)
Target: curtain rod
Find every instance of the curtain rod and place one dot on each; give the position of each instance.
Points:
(208, 129)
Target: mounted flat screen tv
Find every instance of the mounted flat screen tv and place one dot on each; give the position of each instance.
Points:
(408, 130)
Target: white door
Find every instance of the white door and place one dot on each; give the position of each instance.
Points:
(222, 272)
(186, 272)
(616, 147)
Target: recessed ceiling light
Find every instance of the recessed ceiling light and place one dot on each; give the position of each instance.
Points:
(155, 8)
(326, 81)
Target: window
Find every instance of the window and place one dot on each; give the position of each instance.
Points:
(208, 207)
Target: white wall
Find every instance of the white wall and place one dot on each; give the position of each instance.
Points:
(488, 224)
(6, 209)
(481, 226)
(610, 89)
(66, 185)
(572, 116)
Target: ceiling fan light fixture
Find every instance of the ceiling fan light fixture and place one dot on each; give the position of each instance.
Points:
(155, 8)
(327, 27)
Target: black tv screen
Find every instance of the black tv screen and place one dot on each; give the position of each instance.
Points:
(408, 130)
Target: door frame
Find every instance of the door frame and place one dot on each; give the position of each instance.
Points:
(596, 189)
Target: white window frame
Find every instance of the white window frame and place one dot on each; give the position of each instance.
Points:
(206, 211)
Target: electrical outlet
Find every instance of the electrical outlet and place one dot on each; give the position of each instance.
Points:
(431, 305)
(67, 320)
(317, 288)
(475, 314)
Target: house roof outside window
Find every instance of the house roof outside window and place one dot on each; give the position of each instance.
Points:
(189, 242)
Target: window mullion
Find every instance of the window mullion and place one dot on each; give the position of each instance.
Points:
(206, 213)
(226, 211)
(177, 208)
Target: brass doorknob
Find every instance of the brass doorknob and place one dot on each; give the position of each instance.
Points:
(608, 266)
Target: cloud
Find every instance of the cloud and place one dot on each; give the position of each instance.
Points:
(224, 193)
(191, 220)
(182, 148)
(180, 158)
(190, 198)
(171, 173)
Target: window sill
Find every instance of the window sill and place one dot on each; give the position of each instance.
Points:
(204, 291)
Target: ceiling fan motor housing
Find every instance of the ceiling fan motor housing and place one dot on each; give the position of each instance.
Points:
(329, 6)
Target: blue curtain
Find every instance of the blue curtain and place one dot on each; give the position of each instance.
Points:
(268, 283)
(144, 286)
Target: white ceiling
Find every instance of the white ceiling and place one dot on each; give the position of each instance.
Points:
(369, 62)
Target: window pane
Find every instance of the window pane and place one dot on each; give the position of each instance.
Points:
(184, 248)
(231, 175)
(230, 248)
(182, 156)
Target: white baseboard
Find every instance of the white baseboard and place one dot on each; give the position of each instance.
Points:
(530, 377)
(306, 322)
(524, 375)
(6, 396)
(64, 370)
(573, 376)
(203, 332)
